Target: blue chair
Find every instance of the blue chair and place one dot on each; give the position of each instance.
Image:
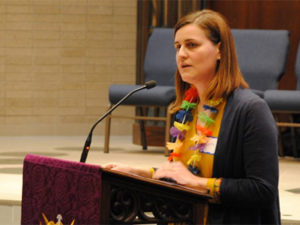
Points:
(159, 65)
(288, 102)
(262, 56)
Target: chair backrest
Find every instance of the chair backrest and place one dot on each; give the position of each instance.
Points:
(160, 62)
(262, 56)
(297, 67)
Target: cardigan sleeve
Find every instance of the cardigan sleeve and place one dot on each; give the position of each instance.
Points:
(259, 155)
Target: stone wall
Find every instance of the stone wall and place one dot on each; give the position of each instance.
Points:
(57, 60)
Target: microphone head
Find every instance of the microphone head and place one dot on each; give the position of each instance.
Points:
(150, 84)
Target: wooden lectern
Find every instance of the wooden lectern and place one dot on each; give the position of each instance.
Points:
(77, 193)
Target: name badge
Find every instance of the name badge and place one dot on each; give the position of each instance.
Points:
(210, 146)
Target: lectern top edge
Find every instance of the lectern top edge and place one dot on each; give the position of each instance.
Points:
(193, 191)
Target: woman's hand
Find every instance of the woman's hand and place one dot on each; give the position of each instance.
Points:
(120, 168)
(128, 169)
(178, 172)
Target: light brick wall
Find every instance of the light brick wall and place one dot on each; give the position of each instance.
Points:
(57, 60)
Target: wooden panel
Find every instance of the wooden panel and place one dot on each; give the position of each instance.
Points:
(143, 21)
(155, 135)
(256, 14)
(170, 11)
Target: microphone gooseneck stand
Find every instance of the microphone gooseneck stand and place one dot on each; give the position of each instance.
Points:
(87, 145)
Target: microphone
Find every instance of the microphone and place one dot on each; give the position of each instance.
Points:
(148, 85)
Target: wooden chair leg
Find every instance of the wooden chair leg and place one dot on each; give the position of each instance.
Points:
(142, 130)
(107, 133)
(167, 131)
(156, 113)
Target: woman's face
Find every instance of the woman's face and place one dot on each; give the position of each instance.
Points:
(196, 55)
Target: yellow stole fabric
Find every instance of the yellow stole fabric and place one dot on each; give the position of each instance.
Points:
(206, 163)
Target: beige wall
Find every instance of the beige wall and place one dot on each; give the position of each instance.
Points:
(57, 60)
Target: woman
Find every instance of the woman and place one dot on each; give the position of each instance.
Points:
(226, 137)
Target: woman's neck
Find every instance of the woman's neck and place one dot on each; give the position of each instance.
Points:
(201, 89)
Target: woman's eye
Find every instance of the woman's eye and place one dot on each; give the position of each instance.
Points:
(191, 45)
(177, 47)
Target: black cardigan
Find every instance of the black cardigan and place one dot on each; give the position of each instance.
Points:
(246, 158)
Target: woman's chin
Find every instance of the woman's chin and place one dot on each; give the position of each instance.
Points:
(189, 79)
(195, 79)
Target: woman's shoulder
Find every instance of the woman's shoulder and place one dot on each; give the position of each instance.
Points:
(244, 104)
(244, 100)
(245, 97)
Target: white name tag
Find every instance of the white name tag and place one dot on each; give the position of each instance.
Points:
(210, 146)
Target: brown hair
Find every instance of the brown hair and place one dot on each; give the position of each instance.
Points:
(228, 76)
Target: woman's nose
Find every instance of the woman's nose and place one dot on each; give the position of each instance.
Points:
(181, 52)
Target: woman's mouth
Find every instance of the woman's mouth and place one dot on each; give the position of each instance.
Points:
(185, 66)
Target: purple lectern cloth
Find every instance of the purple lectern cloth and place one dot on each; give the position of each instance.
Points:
(53, 186)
